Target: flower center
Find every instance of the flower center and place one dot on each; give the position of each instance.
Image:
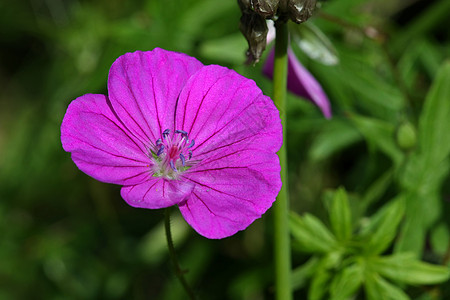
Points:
(171, 154)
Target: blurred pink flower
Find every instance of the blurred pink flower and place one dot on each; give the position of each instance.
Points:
(300, 81)
(175, 132)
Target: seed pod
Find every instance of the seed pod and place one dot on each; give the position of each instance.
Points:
(245, 6)
(255, 12)
(265, 8)
(300, 10)
(254, 28)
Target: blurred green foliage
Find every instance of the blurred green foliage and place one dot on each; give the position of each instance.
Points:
(66, 236)
(343, 261)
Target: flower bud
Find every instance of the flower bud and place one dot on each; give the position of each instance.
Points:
(300, 10)
(405, 136)
(265, 8)
(254, 15)
(245, 6)
(254, 28)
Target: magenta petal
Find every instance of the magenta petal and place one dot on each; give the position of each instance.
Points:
(237, 132)
(157, 193)
(143, 88)
(100, 145)
(301, 82)
(231, 192)
(221, 109)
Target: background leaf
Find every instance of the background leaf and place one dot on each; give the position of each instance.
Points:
(336, 135)
(379, 134)
(340, 215)
(314, 43)
(347, 282)
(434, 120)
(404, 267)
(382, 228)
(426, 170)
(377, 288)
(440, 238)
(311, 234)
(319, 284)
(303, 272)
(376, 190)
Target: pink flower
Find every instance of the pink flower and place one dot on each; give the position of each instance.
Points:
(300, 81)
(175, 132)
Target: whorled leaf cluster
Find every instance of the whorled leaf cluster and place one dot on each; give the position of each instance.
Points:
(254, 15)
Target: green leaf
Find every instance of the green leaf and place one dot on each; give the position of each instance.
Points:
(431, 58)
(372, 93)
(319, 284)
(340, 215)
(427, 168)
(378, 288)
(335, 135)
(376, 190)
(314, 43)
(379, 134)
(311, 234)
(347, 282)
(440, 238)
(434, 15)
(383, 226)
(407, 64)
(404, 267)
(303, 272)
(332, 260)
(434, 121)
(421, 187)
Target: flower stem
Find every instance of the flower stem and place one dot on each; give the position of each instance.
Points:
(173, 257)
(282, 246)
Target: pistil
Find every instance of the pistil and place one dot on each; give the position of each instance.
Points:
(169, 154)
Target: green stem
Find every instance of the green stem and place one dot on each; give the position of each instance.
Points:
(173, 257)
(282, 249)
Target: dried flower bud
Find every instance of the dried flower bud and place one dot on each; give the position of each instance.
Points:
(254, 15)
(254, 28)
(245, 6)
(265, 8)
(300, 10)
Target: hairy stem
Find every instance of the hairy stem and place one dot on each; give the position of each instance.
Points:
(173, 257)
(282, 249)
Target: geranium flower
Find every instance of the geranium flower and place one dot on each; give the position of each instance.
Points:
(299, 81)
(175, 132)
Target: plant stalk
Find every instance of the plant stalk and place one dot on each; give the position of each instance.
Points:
(282, 250)
(173, 257)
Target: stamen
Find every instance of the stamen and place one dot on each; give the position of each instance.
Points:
(191, 145)
(158, 142)
(182, 132)
(161, 150)
(190, 154)
(183, 160)
(173, 166)
(165, 133)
